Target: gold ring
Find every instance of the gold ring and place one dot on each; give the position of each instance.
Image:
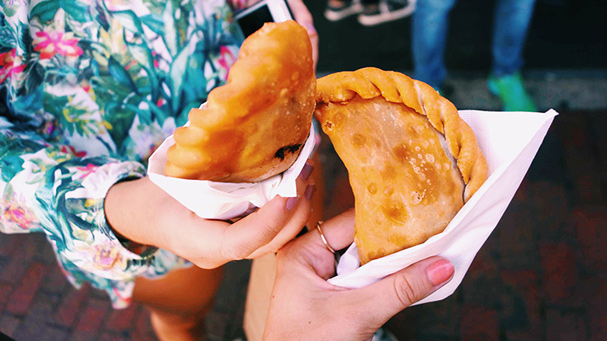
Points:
(322, 236)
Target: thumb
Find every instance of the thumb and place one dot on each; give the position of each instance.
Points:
(396, 292)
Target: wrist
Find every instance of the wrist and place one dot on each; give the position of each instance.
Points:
(128, 212)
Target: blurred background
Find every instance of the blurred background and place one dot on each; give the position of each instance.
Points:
(539, 276)
(565, 55)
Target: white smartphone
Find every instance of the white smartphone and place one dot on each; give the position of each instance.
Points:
(252, 18)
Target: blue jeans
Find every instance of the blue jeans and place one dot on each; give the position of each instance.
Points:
(430, 21)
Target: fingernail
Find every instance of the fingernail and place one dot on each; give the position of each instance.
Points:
(310, 28)
(291, 202)
(306, 171)
(440, 271)
(310, 189)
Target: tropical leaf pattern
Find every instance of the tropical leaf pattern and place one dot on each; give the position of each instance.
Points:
(88, 90)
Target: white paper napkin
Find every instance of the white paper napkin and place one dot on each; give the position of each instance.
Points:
(226, 200)
(510, 141)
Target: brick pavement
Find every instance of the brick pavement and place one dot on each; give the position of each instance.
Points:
(541, 274)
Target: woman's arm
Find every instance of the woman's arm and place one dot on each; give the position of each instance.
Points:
(142, 212)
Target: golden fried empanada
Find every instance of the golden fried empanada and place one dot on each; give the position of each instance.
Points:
(254, 126)
(412, 161)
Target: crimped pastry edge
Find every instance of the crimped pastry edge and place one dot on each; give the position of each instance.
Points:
(396, 87)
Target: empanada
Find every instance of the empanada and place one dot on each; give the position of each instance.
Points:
(412, 161)
(254, 126)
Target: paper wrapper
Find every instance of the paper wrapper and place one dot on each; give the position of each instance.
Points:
(509, 141)
(226, 200)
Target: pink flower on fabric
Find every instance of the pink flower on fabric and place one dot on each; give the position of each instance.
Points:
(126, 301)
(88, 169)
(86, 86)
(156, 62)
(10, 64)
(226, 58)
(16, 213)
(56, 42)
(106, 256)
(73, 151)
(49, 127)
(130, 65)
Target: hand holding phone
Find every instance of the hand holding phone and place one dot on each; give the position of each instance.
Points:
(251, 19)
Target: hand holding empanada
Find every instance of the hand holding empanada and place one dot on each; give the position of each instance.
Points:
(412, 161)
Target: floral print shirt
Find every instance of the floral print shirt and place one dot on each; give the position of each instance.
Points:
(88, 90)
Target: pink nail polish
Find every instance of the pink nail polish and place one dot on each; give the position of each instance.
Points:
(291, 202)
(306, 172)
(310, 189)
(440, 271)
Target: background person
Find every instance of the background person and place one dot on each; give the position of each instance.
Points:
(511, 22)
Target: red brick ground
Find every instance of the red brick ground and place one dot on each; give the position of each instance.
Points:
(540, 276)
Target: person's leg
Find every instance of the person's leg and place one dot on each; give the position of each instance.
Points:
(429, 34)
(511, 23)
(179, 301)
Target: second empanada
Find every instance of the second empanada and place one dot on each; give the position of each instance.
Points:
(254, 126)
(412, 161)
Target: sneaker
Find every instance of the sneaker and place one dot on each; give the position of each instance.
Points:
(511, 91)
(385, 11)
(340, 9)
